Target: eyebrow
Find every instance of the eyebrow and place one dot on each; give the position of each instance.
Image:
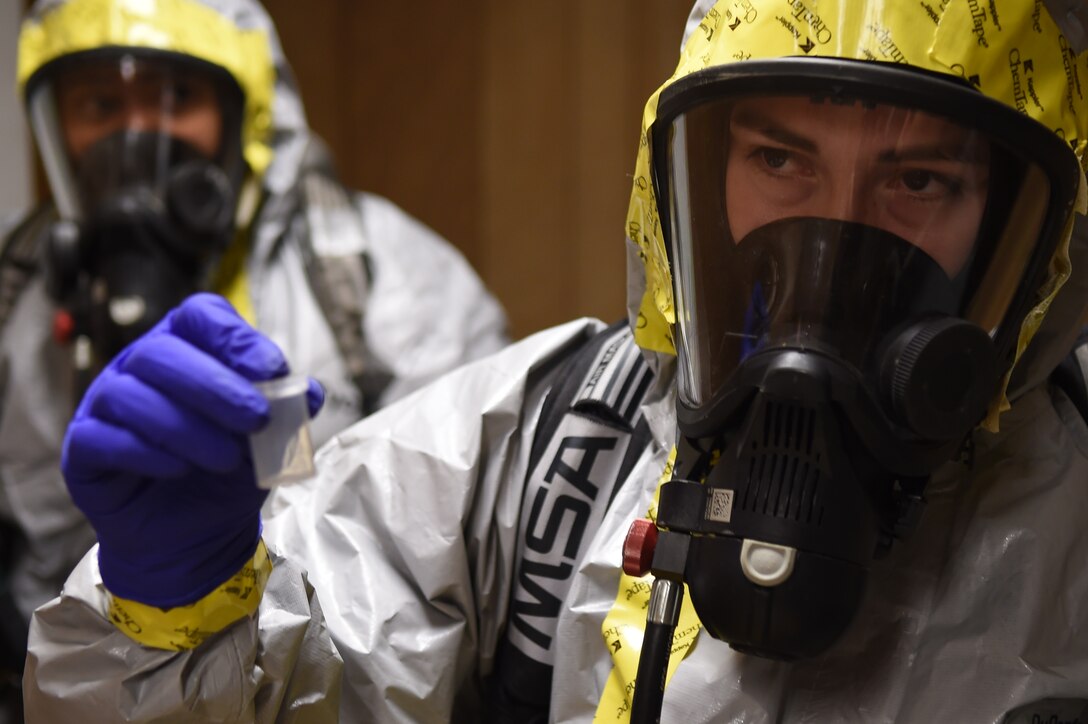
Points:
(752, 120)
(967, 154)
(91, 75)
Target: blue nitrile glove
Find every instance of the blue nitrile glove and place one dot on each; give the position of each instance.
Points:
(157, 454)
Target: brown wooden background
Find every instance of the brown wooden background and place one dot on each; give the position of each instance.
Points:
(509, 127)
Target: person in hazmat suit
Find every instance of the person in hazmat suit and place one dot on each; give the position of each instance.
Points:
(179, 158)
(819, 475)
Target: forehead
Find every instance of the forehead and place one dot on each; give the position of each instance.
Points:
(817, 118)
(125, 70)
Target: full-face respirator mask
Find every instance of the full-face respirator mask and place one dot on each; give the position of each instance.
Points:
(143, 153)
(853, 249)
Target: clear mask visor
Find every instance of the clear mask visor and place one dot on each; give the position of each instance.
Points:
(110, 120)
(800, 223)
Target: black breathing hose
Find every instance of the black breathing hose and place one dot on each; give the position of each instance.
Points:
(653, 661)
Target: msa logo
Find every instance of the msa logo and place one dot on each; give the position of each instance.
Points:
(568, 500)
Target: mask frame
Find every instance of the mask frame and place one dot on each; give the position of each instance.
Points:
(845, 80)
(40, 99)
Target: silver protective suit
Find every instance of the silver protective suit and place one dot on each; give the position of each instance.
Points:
(411, 535)
(426, 312)
(409, 538)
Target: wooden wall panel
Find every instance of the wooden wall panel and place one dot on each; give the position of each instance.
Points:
(395, 94)
(528, 147)
(510, 128)
(631, 48)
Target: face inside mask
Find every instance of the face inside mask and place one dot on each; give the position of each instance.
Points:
(97, 100)
(917, 176)
(851, 262)
(143, 154)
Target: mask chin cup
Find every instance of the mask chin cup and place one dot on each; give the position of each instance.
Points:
(796, 612)
(130, 295)
(782, 531)
(776, 540)
(938, 375)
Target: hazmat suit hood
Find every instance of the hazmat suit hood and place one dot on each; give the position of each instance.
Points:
(854, 227)
(723, 33)
(235, 35)
(175, 143)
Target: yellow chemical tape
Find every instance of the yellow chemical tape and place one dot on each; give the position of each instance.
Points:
(186, 627)
(1012, 52)
(625, 626)
(187, 27)
(1060, 269)
(231, 279)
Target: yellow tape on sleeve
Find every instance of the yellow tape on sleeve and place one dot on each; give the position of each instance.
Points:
(625, 626)
(186, 627)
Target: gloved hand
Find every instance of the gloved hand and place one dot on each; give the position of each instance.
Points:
(157, 456)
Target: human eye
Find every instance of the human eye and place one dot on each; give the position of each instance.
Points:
(179, 93)
(778, 161)
(918, 198)
(927, 185)
(189, 92)
(91, 105)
